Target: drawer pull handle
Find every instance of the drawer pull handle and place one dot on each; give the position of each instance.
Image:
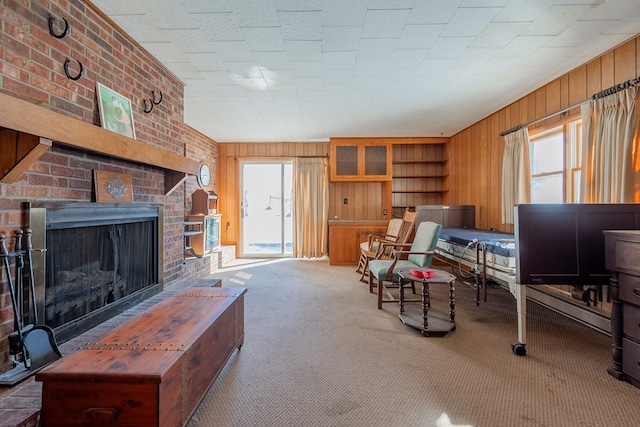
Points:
(636, 292)
(101, 414)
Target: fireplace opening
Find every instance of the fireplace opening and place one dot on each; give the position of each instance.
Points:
(99, 261)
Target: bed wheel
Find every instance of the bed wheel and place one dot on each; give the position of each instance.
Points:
(519, 349)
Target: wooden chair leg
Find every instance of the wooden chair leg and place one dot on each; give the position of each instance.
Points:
(365, 270)
(360, 263)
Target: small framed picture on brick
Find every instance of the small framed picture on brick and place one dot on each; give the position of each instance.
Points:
(115, 111)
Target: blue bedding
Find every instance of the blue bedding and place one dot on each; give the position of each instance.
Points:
(498, 243)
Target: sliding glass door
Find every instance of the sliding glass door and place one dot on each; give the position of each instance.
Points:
(266, 228)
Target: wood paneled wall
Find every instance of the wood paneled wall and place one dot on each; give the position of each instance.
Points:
(475, 154)
(229, 156)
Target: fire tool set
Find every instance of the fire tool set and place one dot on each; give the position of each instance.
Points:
(33, 345)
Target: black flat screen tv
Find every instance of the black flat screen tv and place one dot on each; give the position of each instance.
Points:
(564, 244)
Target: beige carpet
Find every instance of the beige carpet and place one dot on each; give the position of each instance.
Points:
(318, 352)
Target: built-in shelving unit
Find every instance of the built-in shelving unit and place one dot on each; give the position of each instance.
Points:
(419, 175)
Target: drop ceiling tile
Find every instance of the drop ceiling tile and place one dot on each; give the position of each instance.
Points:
(264, 39)
(498, 66)
(309, 95)
(304, 50)
(376, 48)
(365, 83)
(233, 51)
(338, 60)
(523, 10)
(370, 67)
(339, 76)
(189, 41)
(475, 57)
(337, 13)
(204, 6)
(434, 66)
(449, 47)
(230, 90)
(390, 4)
(484, 3)
(419, 36)
(308, 83)
(407, 58)
(498, 35)
(218, 26)
(298, 5)
(612, 10)
(384, 24)
(221, 78)
(254, 13)
(469, 21)
(555, 20)
(301, 25)
(433, 11)
(122, 7)
(339, 39)
(272, 60)
(206, 61)
(306, 69)
(144, 29)
(524, 46)
(166, 52)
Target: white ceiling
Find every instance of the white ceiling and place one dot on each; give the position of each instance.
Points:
(308, 70)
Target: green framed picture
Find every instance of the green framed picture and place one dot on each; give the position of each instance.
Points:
(115, 111)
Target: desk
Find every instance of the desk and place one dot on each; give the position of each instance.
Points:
(428, 322)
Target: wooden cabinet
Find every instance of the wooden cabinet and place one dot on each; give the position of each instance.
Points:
(622, 258)
(419, 175)
(345, 238)
(354, 159)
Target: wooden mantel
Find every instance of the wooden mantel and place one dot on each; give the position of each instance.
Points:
(42, 126)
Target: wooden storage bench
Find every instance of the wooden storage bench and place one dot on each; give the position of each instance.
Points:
(150, 371)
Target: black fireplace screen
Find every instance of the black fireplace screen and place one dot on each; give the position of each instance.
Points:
(90, 267)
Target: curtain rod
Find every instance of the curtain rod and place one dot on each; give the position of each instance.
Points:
(278, 157)
(601, 94)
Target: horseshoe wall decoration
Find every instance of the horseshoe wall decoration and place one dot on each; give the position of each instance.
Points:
(64, 32)
(66, 70)
(153, 98)
(150, 108)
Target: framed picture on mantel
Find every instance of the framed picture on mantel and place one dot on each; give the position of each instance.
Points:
(115, 111)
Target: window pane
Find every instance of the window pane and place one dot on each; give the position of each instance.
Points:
(546, 189)
(547, 154)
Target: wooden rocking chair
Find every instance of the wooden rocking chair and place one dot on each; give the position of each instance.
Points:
(375, 247)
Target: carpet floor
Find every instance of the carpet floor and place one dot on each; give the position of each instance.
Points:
(317, 352)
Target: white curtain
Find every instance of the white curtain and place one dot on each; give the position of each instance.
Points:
(516, 178)
(608, 149)
(311, 207)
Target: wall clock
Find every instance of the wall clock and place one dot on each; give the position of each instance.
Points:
(204, 175)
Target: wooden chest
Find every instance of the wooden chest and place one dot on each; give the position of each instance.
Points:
(150, 371)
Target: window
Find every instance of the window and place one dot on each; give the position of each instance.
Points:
(555, 164)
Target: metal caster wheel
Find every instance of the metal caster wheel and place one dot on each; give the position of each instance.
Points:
(519, 349)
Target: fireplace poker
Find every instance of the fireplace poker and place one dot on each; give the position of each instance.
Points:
(5, 256)
(32, 287)
(19, 281)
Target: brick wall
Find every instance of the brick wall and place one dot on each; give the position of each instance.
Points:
(32, 68)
